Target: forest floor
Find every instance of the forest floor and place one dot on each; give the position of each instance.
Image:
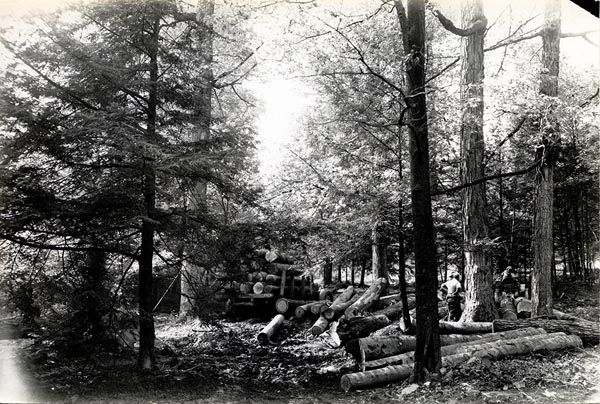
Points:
(225, 364)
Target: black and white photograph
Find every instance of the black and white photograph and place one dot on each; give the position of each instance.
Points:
(299, 201)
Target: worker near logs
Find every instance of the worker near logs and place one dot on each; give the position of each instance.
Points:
(453, 289)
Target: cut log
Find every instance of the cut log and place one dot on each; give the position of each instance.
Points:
(319, 307)
(340, 304)
(507, 309)
(325, 294)
(523, 307)
(588, 331)
(278, 257)
(368, 298)
(358, 327)
(258, 288)
(272, 279)
(246, 287)
(301, 311)
(497, 350)
(283, 305)
(524, 311)
(407, 358)
(264, 337)
(374, 348)
(450, 327)
(395, 298)
(320, 326)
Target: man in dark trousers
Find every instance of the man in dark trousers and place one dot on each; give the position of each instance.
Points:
(453, 288)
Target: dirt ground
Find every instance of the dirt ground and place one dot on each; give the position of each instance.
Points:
(225, 364)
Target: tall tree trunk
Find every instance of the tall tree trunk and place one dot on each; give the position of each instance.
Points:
(427, 350)
(363, 269)
(191, 273)
(339, 271)
(479, 304)
(378, 260)
(542, 246)
(146, 351)
(327, 272)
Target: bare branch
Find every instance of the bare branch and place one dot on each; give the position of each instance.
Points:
(485, 179)
(507, 137)
(478, 25)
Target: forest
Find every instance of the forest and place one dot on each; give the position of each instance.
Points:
(292, 201)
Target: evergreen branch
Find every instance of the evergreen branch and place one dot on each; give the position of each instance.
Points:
(22, 241)
(67, 91)
(361, 58)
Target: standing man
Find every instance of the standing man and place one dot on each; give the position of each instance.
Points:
(453, 288)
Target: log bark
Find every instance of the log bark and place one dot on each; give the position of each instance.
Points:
(283, 305)
(258, 288)
(320, 326)
(507, 310)
(246, 287)
(319, 307)
(482, 342)
(325, 294)
(395, 298)
(340, 304)
(368, 298)
(394, 312)
(301, 311)
(496, 351)
(379, 347)
(273, 279)
(359, 327)
(264, 337)
(448, 327)
(278, 257)
(588, 331)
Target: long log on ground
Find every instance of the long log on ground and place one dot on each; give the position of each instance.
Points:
(378, 347)
(318, 308)
(283, 305)
(407, 358)
(393, 312)
(450, 327)
(326, 294)
(588, 331)
(264, 337)
(507, 309)
(368, 298)
(358, 327)
(500, 349)
(301, 311)
(340, 304)
(524, 311)
(320, 326)
(395, 298)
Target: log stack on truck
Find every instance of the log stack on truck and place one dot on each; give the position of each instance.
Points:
(272, 276)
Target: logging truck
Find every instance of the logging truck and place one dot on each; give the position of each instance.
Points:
(274, 276)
